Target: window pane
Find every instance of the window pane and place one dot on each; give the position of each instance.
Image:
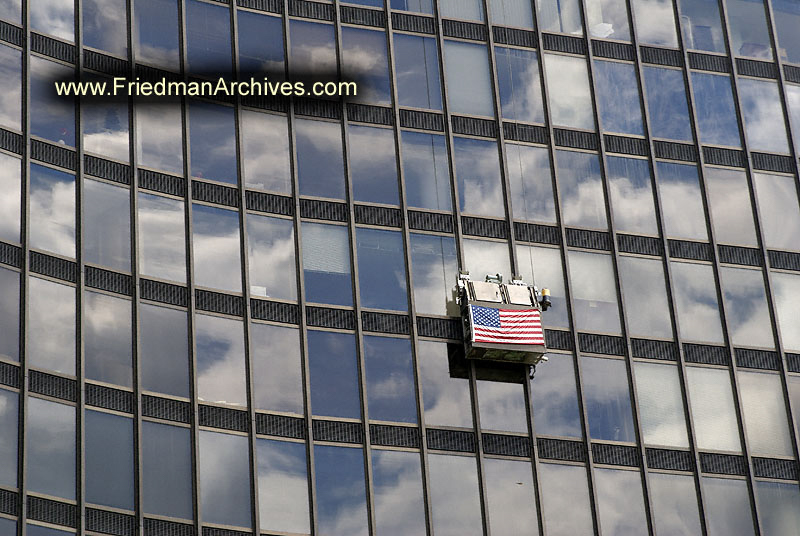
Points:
(282, 486)
(661, 409)
(696, 302)
(52, 118)
(105, 129)
(390, 379)
(162, 237)
(51, 310)
(426, 170)
(420, 6)
(713, 411)
(646, 302)
(468, 75)
(381, 269)
(9, 314)
(716, 115)
(731, 211)
(364, 58)
(265, 151)
(780, 212)
(480, 185)
(333, 368)
(554, 398)
(701, 24)
(107, 339)
(277, 370)
(313, 48)
(565, 489)
(794, 395)
(51, 448)
(763, 115)
(10, 86)
(434, 267)
(10, 10)
(166, 470)
(208, 38)
(764, 413)
(746, 307)
(501, 406)
(9, 423)
(163, 350)
(727, 506)
(462, 9)
(511, 500)
(748, 27)
(482, 258)
(445, 397)
(270, 246)
(220, 360)
(215, 240)
(109, 459)
(778, 507)
(52, 210)
(674, 501)
(655, 22)
(40, 530)
(224, 478)
(666, 101)
(326, 264)
(105, 25)
(681, 201)
(608, 399)
(416, 65)
(629, 184)
(373, 164)
(162, 147)
(618, 97)
(786, 288)
(559, 16)
(518, 81)
(793, 105)
(454, 496)
(260, 45)
(568, 88)
(397, 485)
(581, 189)
(512, 13)
(212, 141)
(620, 502)
(341, 491)
(320, 164)
(546, 265)
(53, 18)
(531, 183)
(607, 19)
(10, 196)
(786, 15)
(10, 525)
(594, 296)
(106, 225)
(157, 33)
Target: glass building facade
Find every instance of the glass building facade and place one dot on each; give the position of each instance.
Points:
(235, 316)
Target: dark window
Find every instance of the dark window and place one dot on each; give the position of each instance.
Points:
(701, 24)
(666, 101)
(260, 45)
(108, 451)
(313, 48)
(320, 164)
(105, 25)
(341, 490)
(608, 399)
(749, 31)
(390, 379)
(107, 338)
(164, 350)
(333, 367)
(716, 115)
(364, 59)
(381, 269)
(156, 36)
(208, 38)
(618, 97)
(373, 164)
(51, 117)
(224, 462)
(166, 470)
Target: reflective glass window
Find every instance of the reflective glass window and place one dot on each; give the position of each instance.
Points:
(320, 161)
(512, 13)
(480, 186)
(420, 6)
(9, 526)
(731, 211)
(105, 129)
(559, 16)
(270, 252)
(51, 117)
(779, 507)
(607, 19)
(397, 486)
(313, 48)
(581, 189)
(105, 25)
(52, 210)
(166, 470)
(786, 15)
(764, 413)
(568, 89)
(749, 31)
(107, 339)
(41, 530)
(565, 489)
(156, 33)
(794, 395)
(277, 369)
(619, 501)
(9, 314)
(426, 170)
(220, 360)
(462, 9)
(467, 66)
(554, 398)
(713, 411)
(617, 93)
(674, 500)
(726, 503)
(780, 212)
(696, 302)
(546, 265)
(373, 164)
(9, 424)
(212, 141)
(10, 197)
(106, 225)
(763, 115)
(666, 102)
(646, 302)
(51, 448)
(265, 151)
(11, 11)
(746, 307)
(454, 495)
(389, 372)
(793, 105)
(163, 350)
(482, 258)
(594, 296)
(531, 183)
(53, 18)
(208, 38)
(162, 237)
(518, 83)
(681, 201)
(701, 25)
(215, 240)
(326, 264)
(365, 59)
(786, 288)
(224, 464)
(51, 310)
(108, 450)
(162, 147)
(629, 185)
(655, 22)
(333, 367)
(434, 266)
(10, 86)
(381, 269)
(608, 399)
(501, 406)
(445, 396)
(716, 114)
(341, 491)
(260, 45)
(416, 65)
(511, 501)
(282, 486)
(661, 409)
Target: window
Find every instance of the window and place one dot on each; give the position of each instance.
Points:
(793, 105)
(333, 368)
(763, 115)
(108, 451)
(390, 379)
(105, 129)
(681, 201)
(277, 368)
(531, 183)
(620, 503)
(696, 302)
(454, 496)
(594, 294)
(426, 170)
(313, 48)
(568, 88)
(554, 397)
(162, 237)
(666, 102)
(156, 36)
(512, 13)
(480, 185)
(482, 258)
(265, 151)
(559, 16)
(9, 424)
(106, 225)
(780, 212)
(746, 307)
(10, 86)
(607, 19)
(731, 210)
(794, 396)
(617, 93)
(52, 210)
(544, 266)
(397, 486)
(764, 413)
(9, 314)
(629, 184)
(581, 189)
(51, 117)
(434, 269)
(270, 246)
(326, 264)
(777, 505)
(364, 58)
(105, 26)
(373, 164)
(785, 291)
(713, 410)
(381, 269)
(661, 410)
(646, 302)
(215, 241)
(341, 490)
(674, 500)
(10, 196)
(608, 399)
(51, 448)
(655, 22)
(220, 360)
(162, 146)
(11, 11)
(469, 86)
(501, 406)
(701, 24)
(511, 501)
(462, 9)
(716, 114)
(726, 503)
(208, 38)
(41, 530)
(518, 83)
(420, 6)
(445, 397)
(166, 470)
(282, 486)
(320, 161)
(260, 45)
(212, 142)
(786, 15)
(565, 489)
(748, 28)
(416, 65)
(51, 310)
(224, 466)
(53, 18)
(107, 339)
(163, 350)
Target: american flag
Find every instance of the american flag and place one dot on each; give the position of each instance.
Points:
(506, 326)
